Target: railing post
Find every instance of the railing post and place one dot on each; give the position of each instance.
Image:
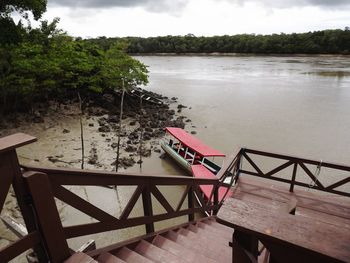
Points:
(216, 198)
(190, 197)
(48, 219)
(293, 177)
(239, 161)
(147, 207)
(10, 173)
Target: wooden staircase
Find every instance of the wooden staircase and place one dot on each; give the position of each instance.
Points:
(202, 241)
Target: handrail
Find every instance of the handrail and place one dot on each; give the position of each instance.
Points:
(297, 162)
(39, 178)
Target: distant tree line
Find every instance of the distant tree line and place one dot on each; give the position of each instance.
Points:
(42, 64)
(318, 42)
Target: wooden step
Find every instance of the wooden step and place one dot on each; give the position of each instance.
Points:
(109, 258)
(80, 257)
(204, 234)
(225, 234)
(180, 251)
(213, 223)
(207, 249)
(209, 241)
(155, 253)
(131, 256)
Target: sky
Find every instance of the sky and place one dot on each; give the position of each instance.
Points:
(146, 18)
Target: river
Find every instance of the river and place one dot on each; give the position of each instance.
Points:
(297, 105)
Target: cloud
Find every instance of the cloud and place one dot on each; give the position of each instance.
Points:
(296, 3)
(170, 6)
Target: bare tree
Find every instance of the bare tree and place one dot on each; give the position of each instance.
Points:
(81, 131)
(120, 126)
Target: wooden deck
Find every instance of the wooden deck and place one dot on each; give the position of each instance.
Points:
(318, 232)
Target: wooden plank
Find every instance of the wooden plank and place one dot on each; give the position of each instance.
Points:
(80, 257)
(183, 197)
(135, 196)
(14, 141)
(147, 208)
(229, 163)
(92, 228)
(162, 200)
(175, 248)
(109, 258)
(155, 253)
(18, 247)
(133, 241)
(322, 202)
(6, 174)
(299, 159)
(17, 228)
(47, 216)
(23, 199)
(79, 203)
(329, 241)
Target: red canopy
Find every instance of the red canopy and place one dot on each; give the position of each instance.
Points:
(193, 143)
(199, 171)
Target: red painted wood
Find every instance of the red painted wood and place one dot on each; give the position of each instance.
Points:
(109, 258)
(131, 256)
(186, 254)
(80, 257)
(155, 253)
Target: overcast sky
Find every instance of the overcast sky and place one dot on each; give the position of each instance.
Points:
(93, 18)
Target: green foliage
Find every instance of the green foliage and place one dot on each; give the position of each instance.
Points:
(37, 7)
(48, 64)
(318, 42)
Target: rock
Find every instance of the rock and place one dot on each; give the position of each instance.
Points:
(180, 106)
(139, 161)
(114, 145)
(157, 150)
(133, 136)
(104, 129)
(130, 148)
(147, 129)
(127, 162)
(113, 119)
(132, 123)
(91, 125)
(65, 131)
(93, 156)
(173, 98)
(102, 122)
(188, 120)
(193, 132)
(147, 136)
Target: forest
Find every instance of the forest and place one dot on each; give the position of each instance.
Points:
(44, 63)
(318, 42)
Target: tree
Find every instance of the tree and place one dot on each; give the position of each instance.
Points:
(10, 32)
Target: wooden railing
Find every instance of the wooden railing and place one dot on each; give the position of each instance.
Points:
(45, 184)
(305, 173)
(11, 175)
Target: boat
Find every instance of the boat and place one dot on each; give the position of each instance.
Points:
(187, 150)
(193, 156)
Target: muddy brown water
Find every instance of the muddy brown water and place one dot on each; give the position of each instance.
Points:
(297, 105)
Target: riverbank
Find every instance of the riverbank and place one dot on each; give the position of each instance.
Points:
(57, 128)
(223, 54)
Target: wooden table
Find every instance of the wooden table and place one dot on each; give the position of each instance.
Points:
(289, 238)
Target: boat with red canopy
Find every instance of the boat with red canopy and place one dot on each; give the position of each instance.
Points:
(193, 155)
